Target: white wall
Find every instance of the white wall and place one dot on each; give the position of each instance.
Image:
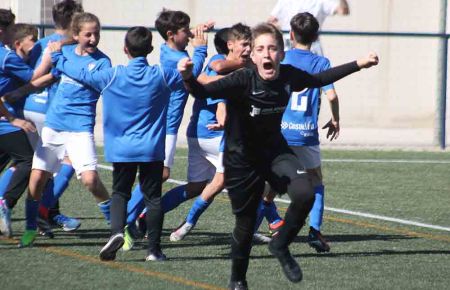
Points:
(391, 105)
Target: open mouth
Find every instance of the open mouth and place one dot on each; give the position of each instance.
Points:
(267, 65)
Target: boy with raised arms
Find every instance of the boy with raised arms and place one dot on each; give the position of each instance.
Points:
(255, 149)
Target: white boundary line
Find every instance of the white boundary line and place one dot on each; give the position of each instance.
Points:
(413, 161)
(378, 217)
(344, 211)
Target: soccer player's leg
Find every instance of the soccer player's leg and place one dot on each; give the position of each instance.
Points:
(17, 147)
(245, 191)
(310, 158)
(288, 176)
(81, 151)
(124, 175)
(150, 179)
(204, 164)
(46, 161)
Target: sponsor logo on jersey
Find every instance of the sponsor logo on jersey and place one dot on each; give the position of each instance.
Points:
(91, 66)
(266, 111)
(298, 126)
(67, 80)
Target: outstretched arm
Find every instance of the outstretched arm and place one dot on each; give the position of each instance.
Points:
(300, 79)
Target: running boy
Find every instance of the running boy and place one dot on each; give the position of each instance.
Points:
(69, 125)
(256, 151)
(139, 94)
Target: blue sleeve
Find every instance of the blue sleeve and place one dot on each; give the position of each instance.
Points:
(173, 79)
(35, 54)
(327, 66)
(198, 58)
(97, 79)
(210, 101)
(17, 68)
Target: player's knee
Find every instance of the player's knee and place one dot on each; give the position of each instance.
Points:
(90, 180)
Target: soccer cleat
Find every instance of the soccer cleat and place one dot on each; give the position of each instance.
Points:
(260, 239)
(156, 255)
(275, 227)
(128, 240)
(317, 241)
(68, 224)
(28, 238)
(238, 285)
(290, 267)
(181, 232)
(108, 252)
(5, 219)
(44, 228)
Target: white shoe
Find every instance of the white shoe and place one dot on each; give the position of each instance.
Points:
(261, 239)
(156, 256)
(181, 232)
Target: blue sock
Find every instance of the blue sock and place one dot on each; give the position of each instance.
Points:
(259, 215)
(61, 180)
(199, 206)
(47, 196)
(135, 205)
(31, 213)
(104, 208)
(316, 213)
(55, 187)
(270, 212)
(5, 179)
(173, 198)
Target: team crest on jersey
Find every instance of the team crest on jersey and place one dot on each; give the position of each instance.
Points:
(91, 66)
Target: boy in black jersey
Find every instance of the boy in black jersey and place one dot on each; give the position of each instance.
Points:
(255, 149)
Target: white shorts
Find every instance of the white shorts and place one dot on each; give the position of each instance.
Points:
(171, 146)
(309, 156)
(38, 119)
(205, 159)
(80, 147)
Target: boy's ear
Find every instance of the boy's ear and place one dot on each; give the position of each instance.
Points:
(125, 50)
(16, 44)
(230, 45)
(169, 34)
(291, 35)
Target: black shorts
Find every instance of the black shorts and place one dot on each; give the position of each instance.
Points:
(244, 185)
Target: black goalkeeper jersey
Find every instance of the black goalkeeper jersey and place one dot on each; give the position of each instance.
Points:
(255, 108)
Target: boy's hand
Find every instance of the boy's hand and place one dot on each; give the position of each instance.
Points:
(370, 60)
(207, 26)
(23, 124)
(54, 46)
(185, 66)
(200, 37)
(333, 129)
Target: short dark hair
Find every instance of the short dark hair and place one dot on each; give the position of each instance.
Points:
(63, 11)
(169, 20)
(305, 28)
(19, 31)
(138, 41)
(7, 18)
(220, 40)
(240, 31)
(79, 19)
(268, 28)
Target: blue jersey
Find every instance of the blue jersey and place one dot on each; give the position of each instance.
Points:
(169, 59)
(14, 72)
(204, 111)
(73, 106)
(135, 100)
(299, 124)
(38, 102)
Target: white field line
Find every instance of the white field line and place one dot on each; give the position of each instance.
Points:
(344, 211)
(389, 161)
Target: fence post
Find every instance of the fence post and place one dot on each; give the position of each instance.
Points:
(442, 77)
